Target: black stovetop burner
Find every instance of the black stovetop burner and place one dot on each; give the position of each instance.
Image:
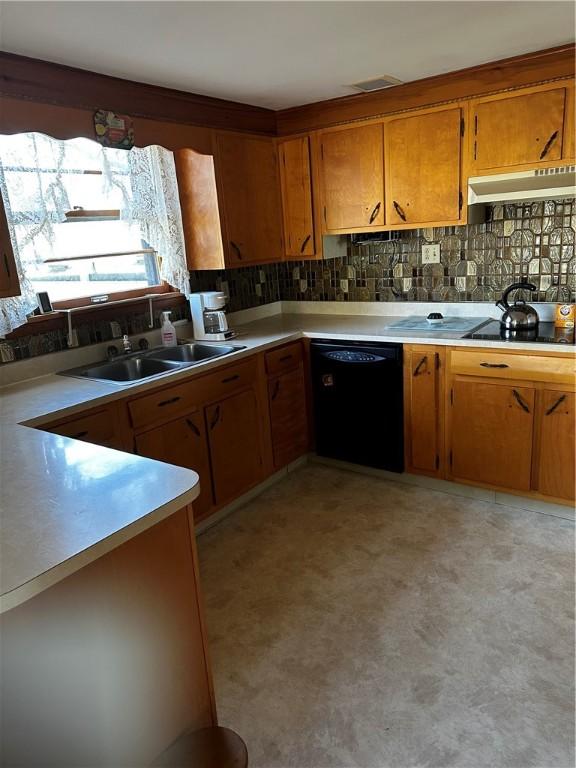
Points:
(544, 333)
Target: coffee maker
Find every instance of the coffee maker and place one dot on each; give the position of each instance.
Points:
(209, 317)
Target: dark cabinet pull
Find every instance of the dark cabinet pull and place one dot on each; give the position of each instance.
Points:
(237, 249)
(304, 243)
(399, 210)
(548, 145)
(7, 264)
(520, 402)
(375, 212)
(230, 378)
(193, 427)
(285, 358)
(494, 365)
(78, 435)
(162, 403)
(420, 364)
(556, 404)
(276, 390)
(215, 417)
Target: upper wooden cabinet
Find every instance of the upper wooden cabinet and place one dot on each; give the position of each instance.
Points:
(519, 130)
(422, 165)
(249, 185)
(9, 283)
(297, 204)
(352, 178)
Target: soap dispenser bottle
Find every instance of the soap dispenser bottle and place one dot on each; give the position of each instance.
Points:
(168, 331)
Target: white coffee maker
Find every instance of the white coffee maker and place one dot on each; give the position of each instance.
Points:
(209, 317)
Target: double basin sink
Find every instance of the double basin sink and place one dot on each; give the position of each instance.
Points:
(138, 366)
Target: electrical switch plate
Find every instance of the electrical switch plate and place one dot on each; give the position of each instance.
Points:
(431, 254)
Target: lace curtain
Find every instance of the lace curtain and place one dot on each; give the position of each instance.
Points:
(37, 178)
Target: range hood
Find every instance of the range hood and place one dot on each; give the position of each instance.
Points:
(540, 184)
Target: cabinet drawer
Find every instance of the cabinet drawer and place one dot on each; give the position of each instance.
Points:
(283, 359)
(97, 427)
(504, 365)
(164, 404)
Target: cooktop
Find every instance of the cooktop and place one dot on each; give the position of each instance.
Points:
(544, 333)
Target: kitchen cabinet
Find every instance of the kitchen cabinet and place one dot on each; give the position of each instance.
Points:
(249, 188)
(515, 131)
(424, 409)
(492, 426)
(182, 442)
(9, 283)
(556, 439)
(287, 403)
(422, 166)
(297, 203)
(352, 178)
(107, 426)
(234, 442)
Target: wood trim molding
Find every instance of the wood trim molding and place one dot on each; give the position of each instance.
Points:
(42, 81)
(516, 72)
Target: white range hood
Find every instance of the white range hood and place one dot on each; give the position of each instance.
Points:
(540, 184)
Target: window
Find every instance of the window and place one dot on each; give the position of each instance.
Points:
(88, 221)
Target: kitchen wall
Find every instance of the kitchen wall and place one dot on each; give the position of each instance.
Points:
(533, 240)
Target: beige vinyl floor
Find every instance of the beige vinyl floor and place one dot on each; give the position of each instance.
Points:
(359, 622)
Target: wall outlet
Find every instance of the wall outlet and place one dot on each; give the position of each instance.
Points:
(431, 254)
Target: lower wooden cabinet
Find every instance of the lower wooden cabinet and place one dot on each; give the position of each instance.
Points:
(288, 416)
(491, 433)
(555, 422)
(106, 426)
(234, 441)
(424, 408)
(182, 442)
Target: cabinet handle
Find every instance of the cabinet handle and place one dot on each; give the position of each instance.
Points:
(193, 427)
(7, 265)
(237, 249)
(399, 210)
(162, 403)
(375, 212)
(420, 364)
(520, 402)
(548, 145)
(304, 243)
(230, 378)
(283, 359)
(556, 404)
(78, 435)
(215, 418)
(494, 365)
(276, 390)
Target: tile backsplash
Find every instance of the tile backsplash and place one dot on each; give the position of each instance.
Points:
(477, 262)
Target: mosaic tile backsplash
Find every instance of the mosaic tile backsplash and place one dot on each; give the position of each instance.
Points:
(533, 241)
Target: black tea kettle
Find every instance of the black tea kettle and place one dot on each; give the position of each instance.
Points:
(518, 316)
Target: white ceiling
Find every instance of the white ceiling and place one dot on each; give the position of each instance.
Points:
(279, 54)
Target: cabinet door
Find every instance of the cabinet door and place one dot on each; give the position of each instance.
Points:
(491, 433)
(352, 178)
(518, 130)
(296, 183)
(288, 416)
(201, 218)
(234, 438)
(250, 187)
(182, 442)
(423, 408)
(422, 168)
(9, 283)
(554, 472)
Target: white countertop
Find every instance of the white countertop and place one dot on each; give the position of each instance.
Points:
(63, 501)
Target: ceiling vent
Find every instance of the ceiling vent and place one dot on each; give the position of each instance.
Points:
(377, 84)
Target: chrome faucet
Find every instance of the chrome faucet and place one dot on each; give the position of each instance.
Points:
(126, 344)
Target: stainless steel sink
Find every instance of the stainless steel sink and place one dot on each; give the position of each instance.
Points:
(191, 353)
(155, 362)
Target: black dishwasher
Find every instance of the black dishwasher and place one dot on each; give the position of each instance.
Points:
(358, 404)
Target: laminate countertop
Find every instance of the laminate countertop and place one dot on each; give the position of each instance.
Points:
(64, 503)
